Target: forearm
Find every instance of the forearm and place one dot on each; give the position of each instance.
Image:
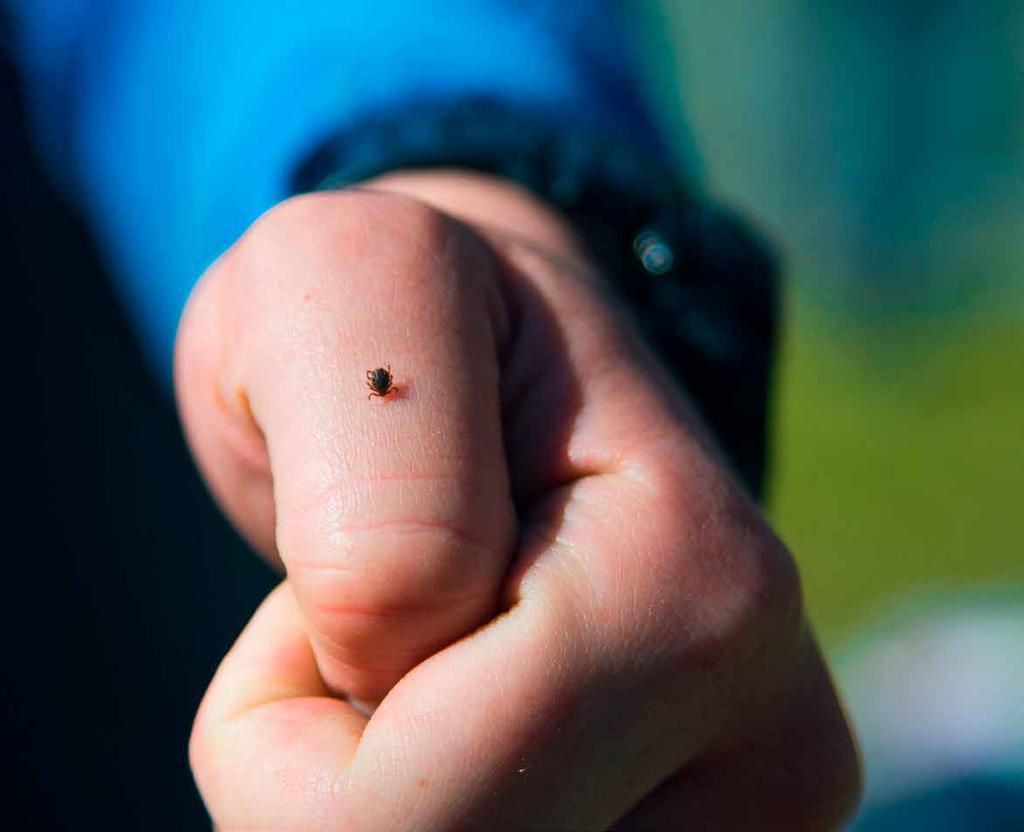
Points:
(176, 125)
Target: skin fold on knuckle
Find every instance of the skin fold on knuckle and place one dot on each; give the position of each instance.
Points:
(721, 631)
(422, 550)
(380, 595)
(721, 592)
(741, 624)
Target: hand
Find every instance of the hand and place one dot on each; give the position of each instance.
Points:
(530, 555)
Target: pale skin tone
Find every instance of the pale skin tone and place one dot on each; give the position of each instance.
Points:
(529, 559)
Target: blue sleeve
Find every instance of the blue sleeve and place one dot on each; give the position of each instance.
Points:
(175, 124)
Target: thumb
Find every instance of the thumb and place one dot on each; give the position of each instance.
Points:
(391, 514)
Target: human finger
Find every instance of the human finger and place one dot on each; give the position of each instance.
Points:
(270, 746)
(678, 632)
(391, 512)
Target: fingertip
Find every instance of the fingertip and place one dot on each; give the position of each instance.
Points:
(268, 694)
(271, 659)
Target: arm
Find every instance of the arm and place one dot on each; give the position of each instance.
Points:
(176, 124)
(713, 587)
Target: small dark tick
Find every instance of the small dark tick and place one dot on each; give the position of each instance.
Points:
(380, 382)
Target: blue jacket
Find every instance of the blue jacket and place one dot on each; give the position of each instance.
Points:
(175, 123)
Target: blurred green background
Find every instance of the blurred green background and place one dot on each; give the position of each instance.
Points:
(881, 147)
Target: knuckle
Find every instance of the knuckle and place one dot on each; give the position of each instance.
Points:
(333, 248)
(729, 586)
(766, 583)
(364, 223)
(435, 554)
(330, 213)
(390, 574)
(761, 611)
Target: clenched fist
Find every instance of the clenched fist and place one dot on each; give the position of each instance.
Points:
(523, 590)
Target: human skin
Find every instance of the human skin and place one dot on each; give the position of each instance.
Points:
(530, 558)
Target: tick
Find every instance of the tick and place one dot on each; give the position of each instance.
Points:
(380, 382)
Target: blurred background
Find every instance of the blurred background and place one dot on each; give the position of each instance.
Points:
(881, 146)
